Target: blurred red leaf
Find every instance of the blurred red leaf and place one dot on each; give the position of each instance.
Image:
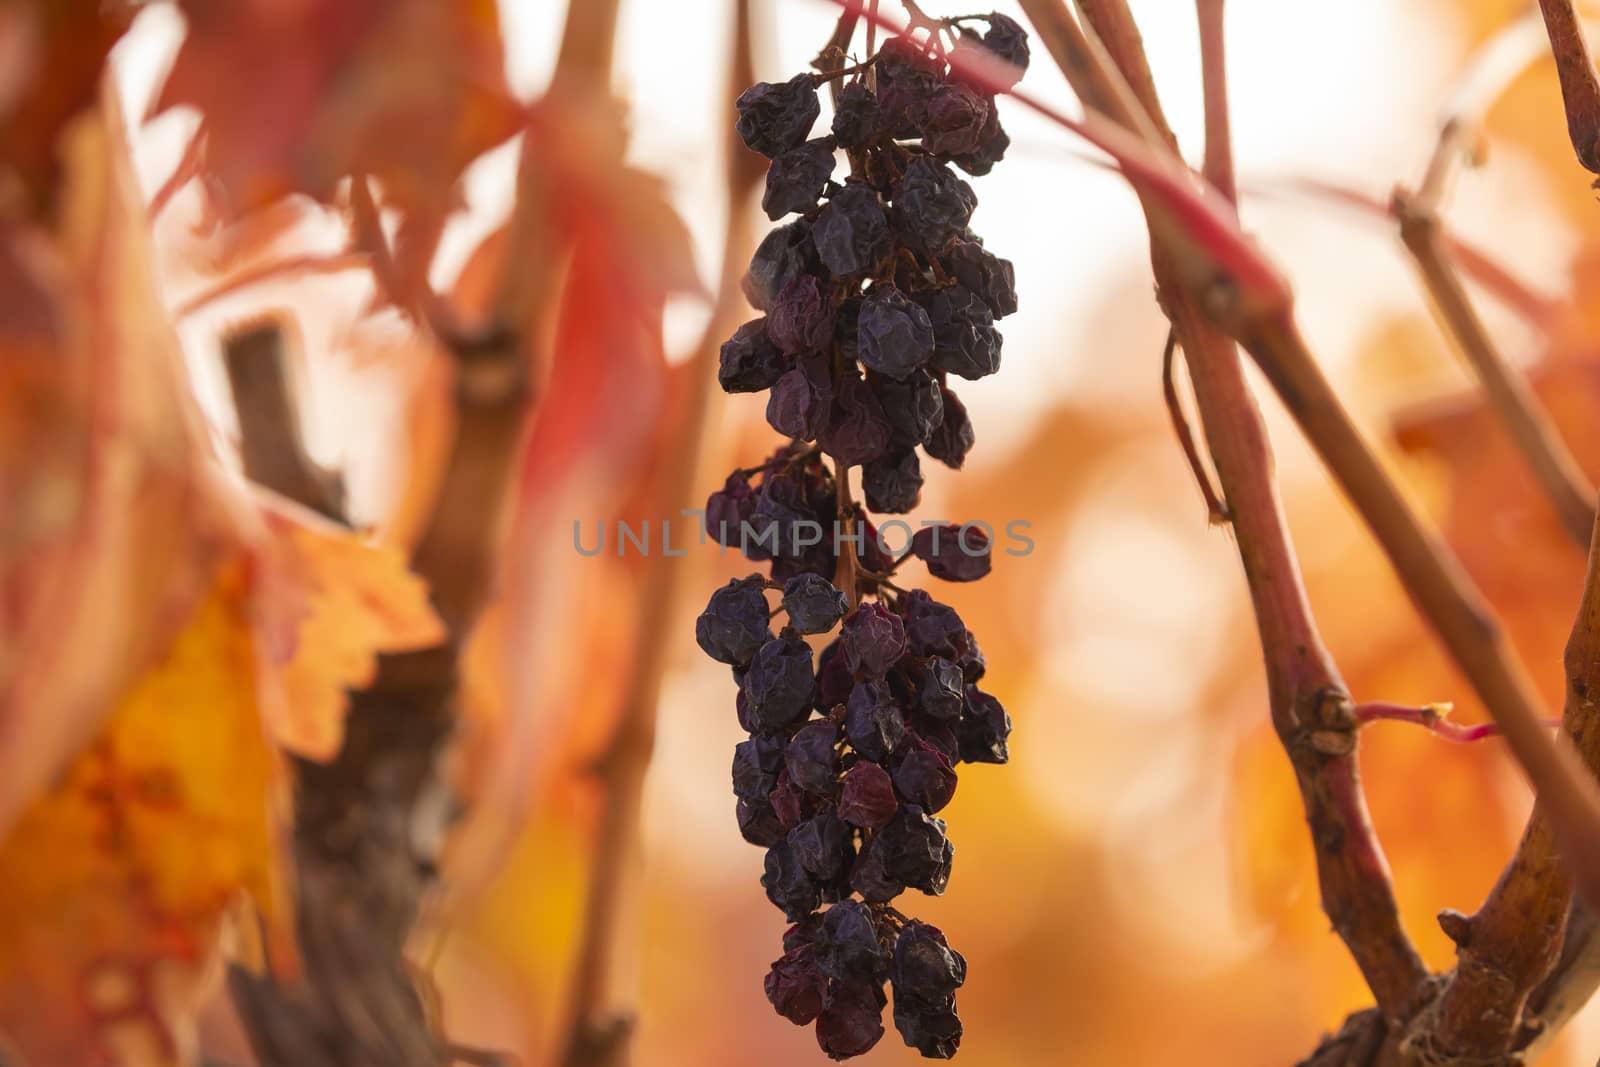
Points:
(297, 96)
(52, 57)
(113, 522)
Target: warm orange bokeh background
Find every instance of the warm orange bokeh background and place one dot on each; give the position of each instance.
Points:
(1136, 887)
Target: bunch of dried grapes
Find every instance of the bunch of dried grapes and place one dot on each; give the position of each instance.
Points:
(873, 297)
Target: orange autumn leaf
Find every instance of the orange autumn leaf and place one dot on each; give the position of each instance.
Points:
(114, 518)
(332, 601)
(116, 880)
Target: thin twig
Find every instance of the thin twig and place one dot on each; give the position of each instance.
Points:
(1434, 717)
(1580, 87)
(1532, 431)
(1534, 308)
(1309, 708)
(1218, 166)
(597, 1034)
(271, 446)
(1216, 509)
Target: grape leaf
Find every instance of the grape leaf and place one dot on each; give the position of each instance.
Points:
(296, 97)
(332, 601)
(116, 880)
(114, 517)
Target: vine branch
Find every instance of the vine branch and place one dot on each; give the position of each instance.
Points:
(1532, 431)
(1580, 87)
(595, 1034)
(271, 446)
(1310, 711)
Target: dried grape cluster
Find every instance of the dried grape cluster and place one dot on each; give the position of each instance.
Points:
(874, 297)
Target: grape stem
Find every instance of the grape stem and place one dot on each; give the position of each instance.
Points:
(1216, 508)
(1532, 431)
(1435, 717)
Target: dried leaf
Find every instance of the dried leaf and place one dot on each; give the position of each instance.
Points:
(114, 519)
(115, 881)
(297, 97)
(331, 601)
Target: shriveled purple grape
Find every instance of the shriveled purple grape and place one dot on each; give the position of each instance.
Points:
(941, 690)
(991, 149)
(814, 604)
(749, 361)
(856, 118)
(851, 234)
(873, 722)
(756, 763)
(810, 757)
(801, 318)
(780, 684)
(893, 482)
(916, 850)
(893, 335)
(796, 179)
(759, 823)
(874, 639)
(923, 775)
(954, 553)
(847, 946)
(983, 729)
(953, 438)
(784, 520)
(775, 117)
(991, 278)
(733, 627)
(965, 342)
(869, 879)
(789, 802)
(834, 680)
(796, 986)
(800, 402)
(971, 660)
(925, 970)
(803, 932)
(955, 118)
(823, 845)
(728, 507)
(866, 796)
(935, 1032)
(783, 254)
(932, 205)
(1008, 41)
(789, 886)
(857, 428)
(852, 1019)
(908, 77)
(912, 405)
(932, 628)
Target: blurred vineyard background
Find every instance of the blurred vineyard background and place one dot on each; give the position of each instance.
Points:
(1137, 888)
